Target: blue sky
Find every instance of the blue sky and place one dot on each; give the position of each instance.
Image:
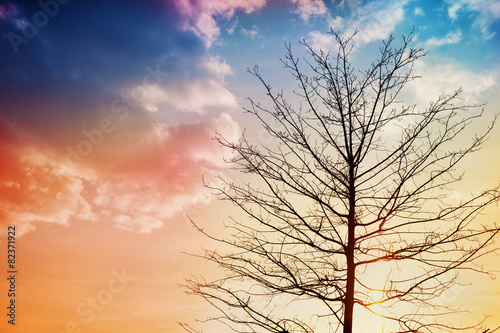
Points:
(89, 49)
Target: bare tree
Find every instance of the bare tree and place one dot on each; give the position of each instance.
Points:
(353, 180)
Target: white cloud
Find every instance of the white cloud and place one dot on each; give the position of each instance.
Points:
(206, 28)
(307, 8)
(452, 11)
(418, 11)
(320, 41)
(216, 67)
(336, 23)
(233, 26)
(199, 15)
(189, 95)
(349, 3)
(376, 20)
(373, 20)
(446, 77)
(230, 130)
(197, 96)
(252, 33)
(149, 97)
(487, 12)
(450, 38)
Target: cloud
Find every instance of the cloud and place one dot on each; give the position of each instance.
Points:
(232, 27)
(252, 33)
(197, 95)
(487, 12)
(199, 15)
(320, 41)
(374, 21)
(138, 191)
(80, 69)
(148, 169)
(217, 67)
(349, 3)
(163, 177)
(450, 38)
(8, 11)
(336, 23)
(307, 8)
(418, 11)
(452, 11)
(35, 189)
(444, 76)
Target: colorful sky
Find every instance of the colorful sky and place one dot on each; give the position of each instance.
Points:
(107, 114)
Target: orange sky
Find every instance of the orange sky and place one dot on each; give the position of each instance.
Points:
(63, 266)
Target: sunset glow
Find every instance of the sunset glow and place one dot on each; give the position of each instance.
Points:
(108, 113)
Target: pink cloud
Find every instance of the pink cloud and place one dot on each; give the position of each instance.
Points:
(138, 189)
(8, 11)
(35, 189)
(164, 177)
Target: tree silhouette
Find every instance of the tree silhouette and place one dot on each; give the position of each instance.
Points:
(353, 180)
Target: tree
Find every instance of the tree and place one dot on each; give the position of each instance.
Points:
(354, 180)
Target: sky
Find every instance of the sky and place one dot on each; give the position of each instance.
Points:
(108, 111)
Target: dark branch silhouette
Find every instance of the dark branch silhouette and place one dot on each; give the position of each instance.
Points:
(336, 194)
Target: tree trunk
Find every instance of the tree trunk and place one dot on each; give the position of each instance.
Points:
(349, 297)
